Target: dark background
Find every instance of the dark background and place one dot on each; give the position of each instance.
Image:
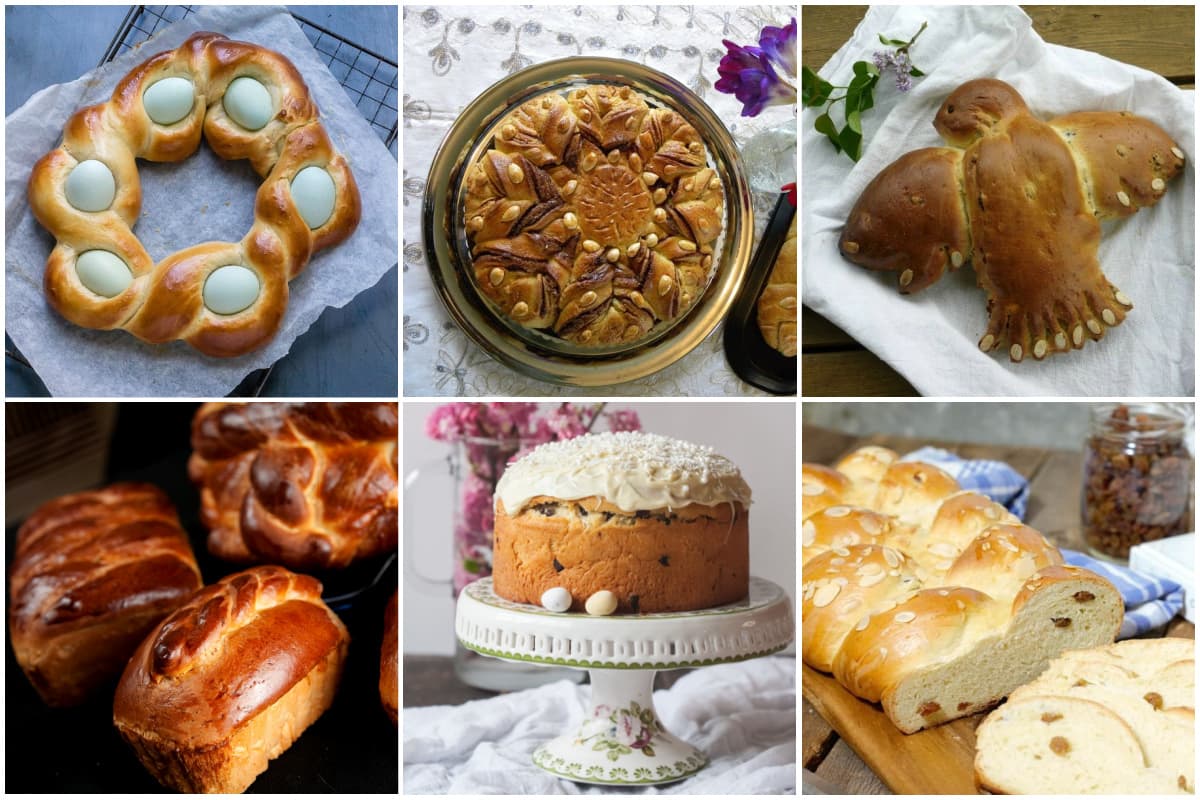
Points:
(353, 747)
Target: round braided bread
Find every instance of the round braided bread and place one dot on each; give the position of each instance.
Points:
(174, 298)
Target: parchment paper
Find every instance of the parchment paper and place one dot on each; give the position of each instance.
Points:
(200, 199)
(931, 338)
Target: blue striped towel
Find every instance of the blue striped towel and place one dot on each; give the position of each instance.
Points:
(1149, 602)
(995, 479)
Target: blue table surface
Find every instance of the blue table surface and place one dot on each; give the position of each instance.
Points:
(348, 352)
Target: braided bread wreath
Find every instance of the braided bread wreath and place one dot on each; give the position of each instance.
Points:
(223, 298)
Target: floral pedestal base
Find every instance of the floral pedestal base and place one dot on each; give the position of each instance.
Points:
(622, 741)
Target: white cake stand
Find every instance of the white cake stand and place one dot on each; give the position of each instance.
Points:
(622, 742)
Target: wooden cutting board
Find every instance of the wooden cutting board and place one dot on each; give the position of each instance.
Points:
(935, 761)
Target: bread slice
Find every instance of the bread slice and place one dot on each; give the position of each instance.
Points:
(1147, 685)
(947, 653)
(1065, 745)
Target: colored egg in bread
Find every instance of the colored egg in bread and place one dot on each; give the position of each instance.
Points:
(314, 194)
(230, 289)
(102, 272)
(91, 186)
(248, 103)
(169, 100)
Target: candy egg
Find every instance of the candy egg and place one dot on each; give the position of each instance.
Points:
(91, 186)
(314, 193)
(601, 604)
(169, 100)
(557, 599)
(248, 103)
(104, 273)
(230, 289)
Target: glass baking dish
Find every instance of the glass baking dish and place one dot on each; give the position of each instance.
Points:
(542, 355)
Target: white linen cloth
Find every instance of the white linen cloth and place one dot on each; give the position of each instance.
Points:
(202, 198)
(931, 338)
(452, 54)
(743, 716)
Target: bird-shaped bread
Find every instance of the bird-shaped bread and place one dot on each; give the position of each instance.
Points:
(1022, 200)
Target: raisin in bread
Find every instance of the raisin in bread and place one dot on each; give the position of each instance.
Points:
(933, 601)
(1112, 720)
(662, 524)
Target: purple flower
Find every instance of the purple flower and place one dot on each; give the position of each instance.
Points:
(779, 45)
(903, 82)
(752, 74)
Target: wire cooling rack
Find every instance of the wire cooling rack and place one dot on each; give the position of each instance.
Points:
(370, 80)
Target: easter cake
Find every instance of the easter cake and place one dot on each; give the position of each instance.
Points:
(652, 523)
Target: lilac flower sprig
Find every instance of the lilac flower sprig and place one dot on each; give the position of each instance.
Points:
(761, 76)
(860, 93)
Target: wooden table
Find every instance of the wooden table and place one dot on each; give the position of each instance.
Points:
(1055, 488)
(1158, 38)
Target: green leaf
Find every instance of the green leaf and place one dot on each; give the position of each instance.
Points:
(916, 73)
(814, 90)
(850, 141)
(860, 81)
(873, 70)
(471, 566)
(825, 125)
(892, 42)
(854, 122)
(860, 68)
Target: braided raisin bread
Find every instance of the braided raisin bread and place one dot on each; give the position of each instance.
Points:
(662, 524)
(231, 680)
(93, 572)
(1118, 719)
(933, 601)
(306, 485)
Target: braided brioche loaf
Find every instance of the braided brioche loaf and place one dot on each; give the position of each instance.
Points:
(93, 572)
(934, 601)
(223, 298)
(1111, 720)
(231, 680)
(309, 485)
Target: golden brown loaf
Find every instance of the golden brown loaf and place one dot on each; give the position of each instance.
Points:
(93, 572)
(1022, 200)
(310, 486)
(593, 216)
(389, 687)
(777, 303)
(223, 298)
(661, 523)
(934, 601)
(231, 680)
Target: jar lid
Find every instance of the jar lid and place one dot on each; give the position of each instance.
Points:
(1139, 421)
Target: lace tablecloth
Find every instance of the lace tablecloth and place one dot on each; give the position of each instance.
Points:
(451, 55)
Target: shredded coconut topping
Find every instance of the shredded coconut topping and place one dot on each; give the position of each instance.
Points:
(633, 471)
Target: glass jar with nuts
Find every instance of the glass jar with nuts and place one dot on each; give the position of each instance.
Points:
(1137, 477)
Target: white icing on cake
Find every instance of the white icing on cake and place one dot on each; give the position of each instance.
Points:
(633, 471)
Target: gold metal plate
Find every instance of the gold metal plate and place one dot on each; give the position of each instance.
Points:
(541, 355)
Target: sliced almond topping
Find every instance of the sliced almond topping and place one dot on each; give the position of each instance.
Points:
(1123, 199)
(837, 511)
(592, 247)
(1094, 326)
(515, 173)
(905, 616)
(570, 187)
(1158, 184)
(613, 255)
(1108, 316)
(987, 342)
(496, 276)
(511, 213)
(1178, 153)
(826, 595)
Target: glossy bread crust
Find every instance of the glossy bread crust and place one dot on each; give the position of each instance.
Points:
(257, 647)
(92, 573)
(310, 486)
